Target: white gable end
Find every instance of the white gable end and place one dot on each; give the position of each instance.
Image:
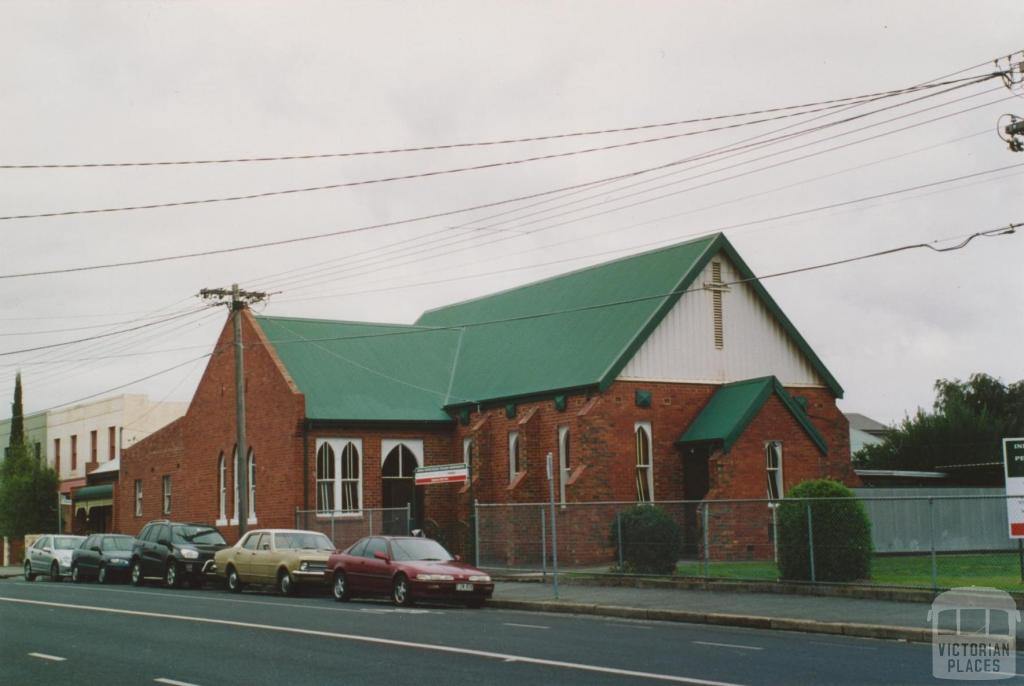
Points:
(683, 346)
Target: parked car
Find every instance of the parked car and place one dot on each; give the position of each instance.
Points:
(408, 569)
(50, 556)
(285, 558)
(104, 557)
(175, 552)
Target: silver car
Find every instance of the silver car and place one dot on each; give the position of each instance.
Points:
(50, 556)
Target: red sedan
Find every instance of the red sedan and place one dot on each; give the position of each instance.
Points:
(408, 569)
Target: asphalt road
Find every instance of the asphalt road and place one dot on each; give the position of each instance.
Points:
(90, 634)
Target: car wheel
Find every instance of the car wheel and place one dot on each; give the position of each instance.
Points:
(137, 578)
(76, 576)
(171, 575)
(55, 571)
(29, 576)
(285, 583)
(234, 583)
(400, 591)
(340, 588)
(101, 575)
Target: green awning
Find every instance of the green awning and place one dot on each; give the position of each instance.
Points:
(734, 406)
(97, 492)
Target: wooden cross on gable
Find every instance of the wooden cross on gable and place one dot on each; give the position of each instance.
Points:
(717, 288)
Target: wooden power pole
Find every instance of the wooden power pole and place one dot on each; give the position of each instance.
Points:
(239, 300)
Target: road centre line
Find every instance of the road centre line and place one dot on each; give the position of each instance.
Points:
(172, 682)
(527, 626)
(44, 656)
(727, 645)
(384, 641)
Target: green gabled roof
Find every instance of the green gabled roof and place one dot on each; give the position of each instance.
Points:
(520, 354)
(734, 406)
(364, 371)
(510, 352)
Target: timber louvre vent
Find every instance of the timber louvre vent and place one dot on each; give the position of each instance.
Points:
(716, 304)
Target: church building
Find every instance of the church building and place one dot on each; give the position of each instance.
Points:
(666, 376)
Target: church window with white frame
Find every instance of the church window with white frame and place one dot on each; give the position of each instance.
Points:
(644, 463)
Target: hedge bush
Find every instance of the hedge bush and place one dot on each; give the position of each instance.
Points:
(841, 532)
(651, 540)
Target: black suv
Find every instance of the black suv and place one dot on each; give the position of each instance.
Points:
(175, 552)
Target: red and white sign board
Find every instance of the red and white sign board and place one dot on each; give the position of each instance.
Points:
(1013, 463)
(442, 474)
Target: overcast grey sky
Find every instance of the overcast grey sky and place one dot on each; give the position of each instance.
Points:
(95, 81)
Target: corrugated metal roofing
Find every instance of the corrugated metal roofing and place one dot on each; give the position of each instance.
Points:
(363, 371)
(734, 406)
(571, 331)
(582, 341)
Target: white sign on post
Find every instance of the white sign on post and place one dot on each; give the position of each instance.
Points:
(442, 474)
(1013, 465)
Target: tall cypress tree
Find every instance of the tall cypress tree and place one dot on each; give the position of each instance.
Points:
(17, 415)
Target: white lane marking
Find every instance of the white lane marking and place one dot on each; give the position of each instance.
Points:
(207, 597)
(383, 641)
(727, 645)
(172, 682)
(44, 656)
(527, 626)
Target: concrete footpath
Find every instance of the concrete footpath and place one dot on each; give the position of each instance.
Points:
(789, 612)
(862, 617)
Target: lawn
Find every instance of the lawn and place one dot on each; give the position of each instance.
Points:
(998, 570)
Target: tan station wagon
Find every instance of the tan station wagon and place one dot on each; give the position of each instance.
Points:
(285, 558)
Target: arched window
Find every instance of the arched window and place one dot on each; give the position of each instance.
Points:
(252, 486)
(565, 468)
(514, 465)
(339, 476)
(644, 466)
(400, 463)
(467, 451)
(234, 476)
(325, 478)
(222, 491)
(351, 478)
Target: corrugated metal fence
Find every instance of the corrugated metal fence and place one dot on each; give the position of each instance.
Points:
(960, 519)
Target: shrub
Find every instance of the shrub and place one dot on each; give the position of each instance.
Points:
(841, 533)
(651, 540)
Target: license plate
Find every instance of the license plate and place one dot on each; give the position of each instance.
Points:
(188, 567)
(463, 587)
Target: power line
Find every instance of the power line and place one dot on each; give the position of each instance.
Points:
(401, 222)
(420, 175)
(102, 335)
(505, 141)
(966, 240)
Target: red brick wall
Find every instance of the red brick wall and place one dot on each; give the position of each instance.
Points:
(188, 450)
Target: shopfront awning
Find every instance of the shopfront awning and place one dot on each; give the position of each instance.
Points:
(88, 497)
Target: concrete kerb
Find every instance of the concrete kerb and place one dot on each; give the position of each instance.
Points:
(896, 633)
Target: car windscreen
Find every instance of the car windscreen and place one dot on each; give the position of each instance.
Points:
(116, 543)
(202, 535)
(298, 540)
(419, 549)
(66, 542)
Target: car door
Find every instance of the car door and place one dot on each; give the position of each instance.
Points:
(351, 563)
(156, 550)
(242, 559)
(85, 557)
(376, 572)
(35, 556)
(263, 558)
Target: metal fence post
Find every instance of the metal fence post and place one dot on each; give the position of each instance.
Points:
(618, 529)
(554, 527)
(707, 553)
(543, 546)
(810, 540)
(931, 537)
(333, 539)
(370, 532)
(297, 525)
(408, 519)
(476, 532)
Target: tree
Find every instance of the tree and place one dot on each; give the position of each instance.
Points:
(28, 490)
(967, 423)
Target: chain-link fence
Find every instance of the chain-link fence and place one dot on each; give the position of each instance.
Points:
(345, 529)
(930, 542)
